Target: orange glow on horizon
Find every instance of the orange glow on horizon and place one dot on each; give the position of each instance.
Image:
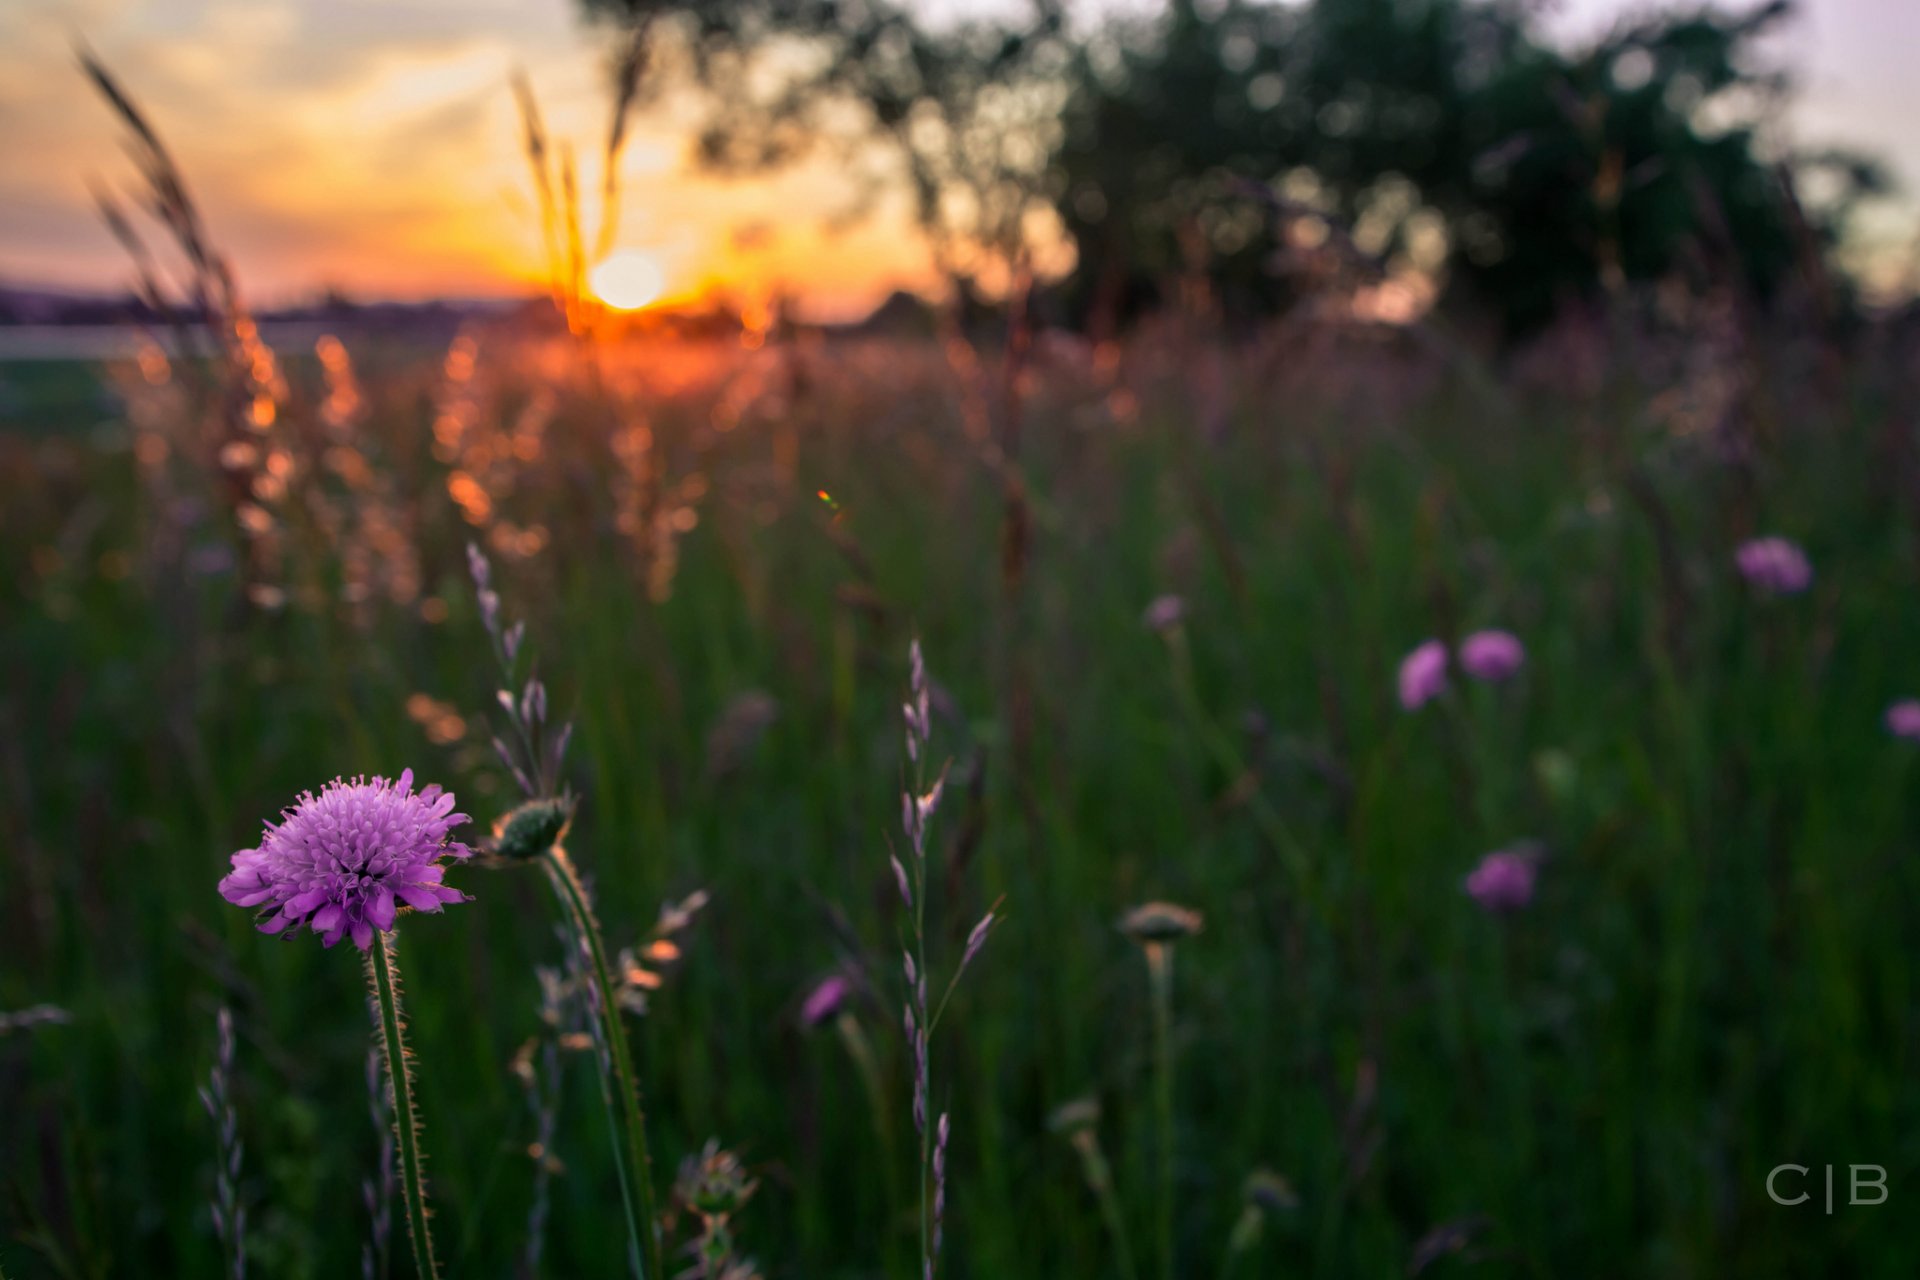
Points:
(398, 170)
(627, 280)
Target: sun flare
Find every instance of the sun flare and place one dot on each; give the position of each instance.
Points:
(626, 280)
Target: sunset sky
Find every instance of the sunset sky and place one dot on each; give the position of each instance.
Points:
(373, 145)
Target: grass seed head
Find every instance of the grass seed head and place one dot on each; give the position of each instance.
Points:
(1077, 1116)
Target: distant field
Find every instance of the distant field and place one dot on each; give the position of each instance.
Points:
(721, 557)
(39, 395)
(52, 377)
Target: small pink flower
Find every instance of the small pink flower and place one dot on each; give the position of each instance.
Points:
(1504, 879)
(825, 1000)
(1165, 613)
(1903, 719)
(1774, 566)
(1423, 674)
(1492, 656)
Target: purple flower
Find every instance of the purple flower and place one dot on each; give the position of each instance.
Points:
(1492, 656)
(824, 1000)
(1165, 613)
(1903, 718)
(1423, 674)
(1775, 566)
(345, 861)
(1504, 879)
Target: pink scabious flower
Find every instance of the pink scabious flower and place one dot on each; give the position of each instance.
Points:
(1423, 674)
(1492, 656)
(1903, 719)
(1775, 566)
(1504, 879)
(343, 862)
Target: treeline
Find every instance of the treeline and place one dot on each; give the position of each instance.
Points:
(1255, 146)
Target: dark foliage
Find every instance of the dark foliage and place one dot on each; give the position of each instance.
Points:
(1213, 140)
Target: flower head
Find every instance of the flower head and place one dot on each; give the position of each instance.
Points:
(1155, 922)
(1165, 613)
(1775, 566)
(1504, 879)
(1076, 1116)
(1270, 1191)
(1492, 656)
(714, 1184)
(1903, 718)
(825, 1000)
(343, 862)
(1423, 674)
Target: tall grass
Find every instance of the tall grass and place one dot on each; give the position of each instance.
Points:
(1715, 977)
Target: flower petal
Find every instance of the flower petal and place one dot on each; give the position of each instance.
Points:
(303, 904)
(418, 896)
(379, 907)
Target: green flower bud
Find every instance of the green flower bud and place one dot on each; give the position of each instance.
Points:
(532, 829)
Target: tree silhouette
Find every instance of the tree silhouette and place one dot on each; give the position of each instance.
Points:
(1211, 141)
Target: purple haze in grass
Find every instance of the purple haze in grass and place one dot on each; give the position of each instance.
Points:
(1775, 566)
(1903, 719)
(1492, 656)
(1423, 674)
(1504, 880)
(343, 862)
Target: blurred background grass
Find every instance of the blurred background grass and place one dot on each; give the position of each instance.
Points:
(1714, 979)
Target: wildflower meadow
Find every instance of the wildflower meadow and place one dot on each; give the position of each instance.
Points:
(1312, 796)
(1556, 937)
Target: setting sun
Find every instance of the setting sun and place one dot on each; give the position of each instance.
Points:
(626, 280)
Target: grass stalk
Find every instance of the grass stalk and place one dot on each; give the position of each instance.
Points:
(924, 1085)
(1273, 827)
(1160, 972)
(229, 1215)
(1099, 1176)
(622, 1093)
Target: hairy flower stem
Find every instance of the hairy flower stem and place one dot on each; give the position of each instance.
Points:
(1160, 971)
(375, 1256)
(383, 976)
(630, 1155)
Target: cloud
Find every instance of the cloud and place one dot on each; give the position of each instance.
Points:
(376, 146)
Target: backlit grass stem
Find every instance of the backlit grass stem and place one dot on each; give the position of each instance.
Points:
(624, 1117)
(534, 756)
(918, 804)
